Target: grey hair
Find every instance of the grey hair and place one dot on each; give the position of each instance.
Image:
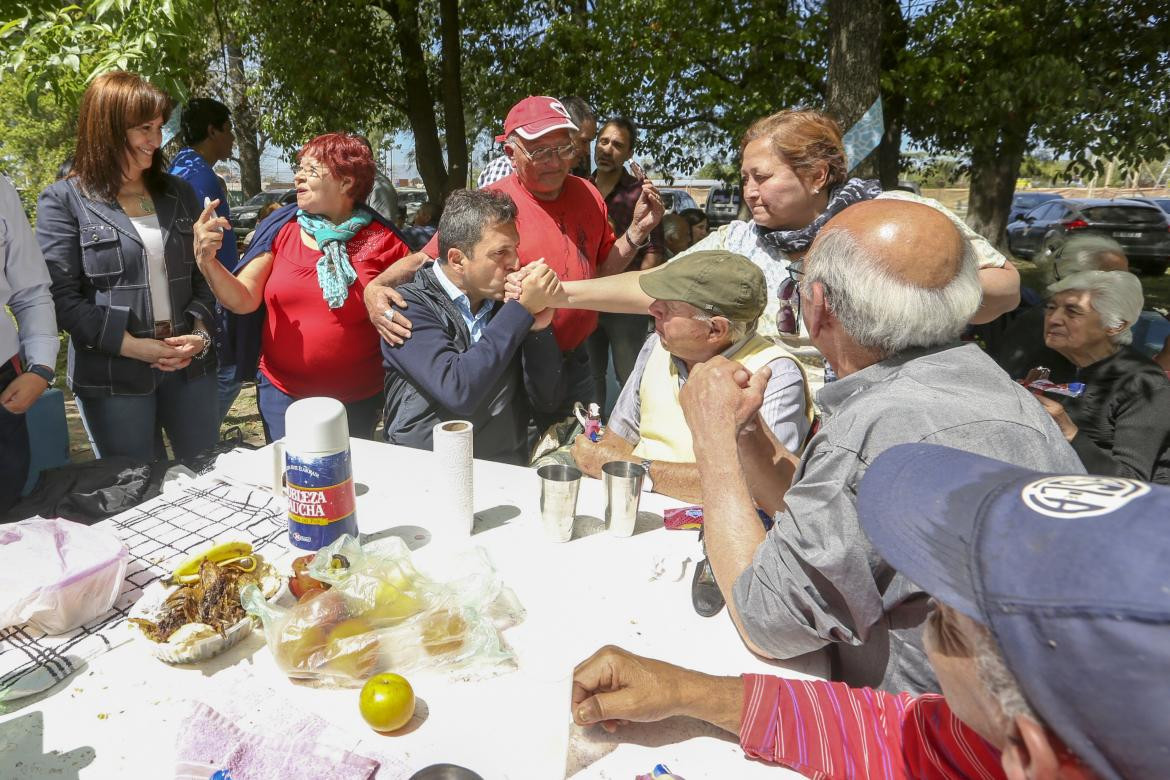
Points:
(579, 111)
(998, 679)
(465, 216)
(882, 312)
(1082, 252)
(1115, 295)
(675, 226)
(736, 329)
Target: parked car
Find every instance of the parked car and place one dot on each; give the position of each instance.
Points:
(1162, 202)
(1023, 202)
(244, 217)
(411, 198)
(1141, 229)
(723, 205)
(677, 200)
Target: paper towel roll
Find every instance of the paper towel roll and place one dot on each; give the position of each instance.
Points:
(453, 446)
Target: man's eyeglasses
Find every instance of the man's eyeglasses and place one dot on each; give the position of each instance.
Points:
(788, 317)
(549, 153)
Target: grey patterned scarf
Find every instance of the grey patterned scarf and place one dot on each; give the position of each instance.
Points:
(852, 191)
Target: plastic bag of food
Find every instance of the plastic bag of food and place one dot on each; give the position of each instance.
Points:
(57, 574)
(380, 613)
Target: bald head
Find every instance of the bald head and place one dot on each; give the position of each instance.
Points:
(894, 275)
(914, 243)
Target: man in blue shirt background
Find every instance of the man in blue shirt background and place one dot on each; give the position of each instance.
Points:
(206, 129)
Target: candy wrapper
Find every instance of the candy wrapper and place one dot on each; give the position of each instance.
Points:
(687, 518)
(660, 772)
(590, 422)
(381, 613)
(1070, 389)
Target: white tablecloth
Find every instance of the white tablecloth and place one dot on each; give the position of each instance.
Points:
(118, 717)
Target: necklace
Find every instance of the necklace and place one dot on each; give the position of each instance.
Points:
(144, 201)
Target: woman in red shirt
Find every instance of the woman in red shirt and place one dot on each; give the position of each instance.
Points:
(316, 339)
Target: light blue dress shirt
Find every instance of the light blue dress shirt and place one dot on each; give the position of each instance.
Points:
(24, 288)
(475, 322)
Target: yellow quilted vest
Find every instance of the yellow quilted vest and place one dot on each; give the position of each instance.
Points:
(664, 432)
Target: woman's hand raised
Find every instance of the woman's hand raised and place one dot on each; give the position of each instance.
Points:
(209, 232)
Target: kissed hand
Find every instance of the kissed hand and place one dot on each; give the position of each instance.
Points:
(515, 280)
(539, 288)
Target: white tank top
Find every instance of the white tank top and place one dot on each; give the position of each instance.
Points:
(156, 265)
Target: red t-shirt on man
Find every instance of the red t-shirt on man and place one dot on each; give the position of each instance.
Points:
(309, 349)
(571, 233)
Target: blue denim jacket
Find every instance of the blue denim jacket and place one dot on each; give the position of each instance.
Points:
(101, 288)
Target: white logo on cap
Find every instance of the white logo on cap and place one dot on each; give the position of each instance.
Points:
(555, 105)
(1075, 497)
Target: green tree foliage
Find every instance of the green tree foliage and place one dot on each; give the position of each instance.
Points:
(693, 76)
(32, 145)
(370, 65)
(993, 80)
(57, 49)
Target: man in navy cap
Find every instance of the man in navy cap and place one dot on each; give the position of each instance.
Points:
(1050, 637)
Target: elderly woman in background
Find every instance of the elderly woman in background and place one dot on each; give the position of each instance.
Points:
(116, 233)
(1121, 424)
(1018, 346)
(302, 280)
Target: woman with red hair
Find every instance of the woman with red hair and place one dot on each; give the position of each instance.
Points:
(301, 285)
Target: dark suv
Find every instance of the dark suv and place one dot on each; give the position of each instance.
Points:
(1141, 230)
(723, 205)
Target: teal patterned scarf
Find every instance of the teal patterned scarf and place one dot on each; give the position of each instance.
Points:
(334, 271)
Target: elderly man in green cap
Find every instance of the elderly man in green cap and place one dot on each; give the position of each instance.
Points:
(705, 304)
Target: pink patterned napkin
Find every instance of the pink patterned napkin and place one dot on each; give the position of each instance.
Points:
(207, 738)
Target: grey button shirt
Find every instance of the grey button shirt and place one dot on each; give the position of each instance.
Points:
(784, 401)
(816, 580)
(24, 287)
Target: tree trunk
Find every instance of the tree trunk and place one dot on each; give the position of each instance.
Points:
(894, 37)
(420, 104)
(855, 50)
(452, 88)
(244, 122)
(994, 170)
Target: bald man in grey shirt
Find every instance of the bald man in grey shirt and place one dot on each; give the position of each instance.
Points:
(886, 289)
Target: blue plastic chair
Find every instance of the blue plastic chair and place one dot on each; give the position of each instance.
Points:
(48, 435)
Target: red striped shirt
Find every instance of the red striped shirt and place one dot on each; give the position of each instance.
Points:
(829, 731)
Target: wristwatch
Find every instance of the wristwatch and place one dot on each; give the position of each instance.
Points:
(43, 371)
(647, 481)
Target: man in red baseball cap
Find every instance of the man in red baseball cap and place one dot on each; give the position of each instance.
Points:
(562, 219)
